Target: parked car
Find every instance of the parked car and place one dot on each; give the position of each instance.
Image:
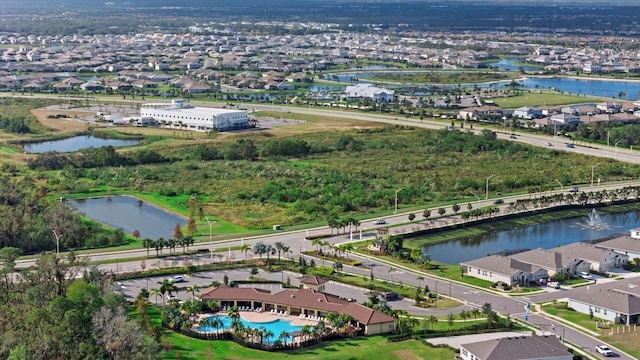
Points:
(498, 201)
(573, 190)
(604, 350)
(381, 222)
(390, 296)
(177, 278)
(570, 146)
(585, 275)
(553, 284)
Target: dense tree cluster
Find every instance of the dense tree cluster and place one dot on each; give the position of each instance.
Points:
(28, 218)
(16, 125)
(53, 312)
(93, 158)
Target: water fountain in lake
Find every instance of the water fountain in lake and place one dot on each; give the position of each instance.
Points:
(594, 222)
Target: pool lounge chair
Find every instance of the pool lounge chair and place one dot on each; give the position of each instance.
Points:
(273, 311)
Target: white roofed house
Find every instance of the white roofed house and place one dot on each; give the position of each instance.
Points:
(360, 91)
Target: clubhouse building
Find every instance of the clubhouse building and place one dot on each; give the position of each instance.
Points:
(307, 303)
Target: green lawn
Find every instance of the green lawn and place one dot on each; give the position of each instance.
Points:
(559, 309)
(542, 99)
(369, 348)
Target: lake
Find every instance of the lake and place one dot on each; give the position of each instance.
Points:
(75, 143)
(130, 214)
(546, 236)
(630, 90)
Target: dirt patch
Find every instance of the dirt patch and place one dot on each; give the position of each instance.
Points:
(71, 123)
(406, 355)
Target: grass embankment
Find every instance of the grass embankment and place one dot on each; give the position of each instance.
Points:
(620, 336)
(178, 346)
(444, 77)
(538, 99)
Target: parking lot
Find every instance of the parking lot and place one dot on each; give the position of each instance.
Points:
(131, 288)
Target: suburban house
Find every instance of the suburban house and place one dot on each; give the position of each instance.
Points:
(532, 265)
(527, 112)
(361, 91)
(553, 261)
(619, 306)
(498, 268)
(295, 302)
(564, 119)
(477, 113)
(599, 259)
(516, 348)
(625, 245)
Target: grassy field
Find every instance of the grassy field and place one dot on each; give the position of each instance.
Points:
(539, 99)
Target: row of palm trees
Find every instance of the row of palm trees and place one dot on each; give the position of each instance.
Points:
(337, 249)
(339, 324)
(337, 223)
(171, 244)
(269, 250)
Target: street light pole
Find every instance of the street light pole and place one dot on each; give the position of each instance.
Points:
(593, 168)
(616, 147)
(210, 238)
(58, 237)
(559, 183)
(486, 189)
(395, 211)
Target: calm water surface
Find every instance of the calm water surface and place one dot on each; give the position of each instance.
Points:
(546, 236)
(130, 214)
(76, 143)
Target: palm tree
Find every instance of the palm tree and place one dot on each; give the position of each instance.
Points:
(284, 335)
(305, 331)
(432, 320)
(266, 333)
(193, 289)
(475, 312)
(216, 322)
(155, 292)
(268, 250)
(321, 327)
(316, 243)
(166, 286)
(464, 315)
(279, 245)
(260, 249)
(245, 248)
(233, 312)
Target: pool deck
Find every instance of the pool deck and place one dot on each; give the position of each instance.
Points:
(264, 317)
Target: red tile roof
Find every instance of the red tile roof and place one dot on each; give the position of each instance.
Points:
(303, 298)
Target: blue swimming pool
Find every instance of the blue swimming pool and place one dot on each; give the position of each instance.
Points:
(276, 326)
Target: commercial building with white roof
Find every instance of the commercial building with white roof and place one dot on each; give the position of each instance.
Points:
(182, 115)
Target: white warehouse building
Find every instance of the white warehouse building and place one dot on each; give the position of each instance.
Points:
(182, 115)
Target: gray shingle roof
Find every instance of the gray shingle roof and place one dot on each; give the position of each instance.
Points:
(529, 347)
(623, 302)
